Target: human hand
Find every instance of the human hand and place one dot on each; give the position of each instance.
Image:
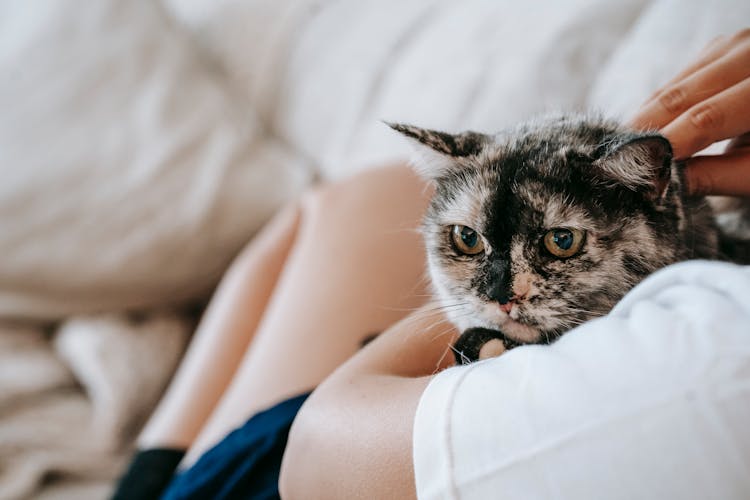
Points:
(708, 101)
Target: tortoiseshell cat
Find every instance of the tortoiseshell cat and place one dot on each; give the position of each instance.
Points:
(537, 229)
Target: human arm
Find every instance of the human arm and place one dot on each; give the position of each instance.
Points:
(352, 438)
(708, 101)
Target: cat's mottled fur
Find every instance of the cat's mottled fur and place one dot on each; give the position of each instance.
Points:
(620, 187)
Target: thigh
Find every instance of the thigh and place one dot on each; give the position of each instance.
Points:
(357, 266)
(223, 335)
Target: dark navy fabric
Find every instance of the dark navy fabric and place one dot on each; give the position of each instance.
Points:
(245, 464)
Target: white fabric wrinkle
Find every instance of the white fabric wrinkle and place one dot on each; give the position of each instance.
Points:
(579, 434)
(659, 328)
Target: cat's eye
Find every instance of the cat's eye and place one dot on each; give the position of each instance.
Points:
(466, 240)
(564, 242)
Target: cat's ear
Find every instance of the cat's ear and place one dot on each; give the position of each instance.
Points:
(642, 163)
(437, 151)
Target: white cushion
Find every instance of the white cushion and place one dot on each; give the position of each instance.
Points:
(130, 175)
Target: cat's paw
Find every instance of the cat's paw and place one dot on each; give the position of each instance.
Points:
(480, 343)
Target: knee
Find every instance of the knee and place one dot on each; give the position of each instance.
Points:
(394, 188)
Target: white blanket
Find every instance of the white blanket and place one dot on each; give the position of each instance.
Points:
(143, 143)
(70, 400)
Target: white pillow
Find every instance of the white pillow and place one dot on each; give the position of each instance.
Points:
(130, 176)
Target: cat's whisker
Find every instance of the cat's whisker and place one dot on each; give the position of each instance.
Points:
(401, 309)
(428, 306)
(446, 331)
(439, 306)
(546, 337)
(442, 357)
(443, 320)
(452, 328)
(437, 311)
(464, 358)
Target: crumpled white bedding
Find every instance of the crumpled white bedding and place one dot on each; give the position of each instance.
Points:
(71, 398)
(142, 144)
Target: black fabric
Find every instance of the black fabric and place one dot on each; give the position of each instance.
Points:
(245, 464)
(149, 473)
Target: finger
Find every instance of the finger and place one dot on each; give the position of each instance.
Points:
(721, 175)
(720, 117)
(674, 99)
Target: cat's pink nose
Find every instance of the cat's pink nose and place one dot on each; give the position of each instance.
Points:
(507, 306)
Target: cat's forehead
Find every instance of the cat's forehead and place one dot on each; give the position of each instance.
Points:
(481, 197)
(550, 134)
(533, 156)
(465, 199)
(524, 173)
(551, 208)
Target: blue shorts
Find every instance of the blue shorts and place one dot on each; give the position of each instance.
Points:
(245, 464)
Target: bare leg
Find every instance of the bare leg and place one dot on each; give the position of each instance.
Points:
(222, 337)
(356, 267)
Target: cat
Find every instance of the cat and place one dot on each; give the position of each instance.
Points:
(544, 226)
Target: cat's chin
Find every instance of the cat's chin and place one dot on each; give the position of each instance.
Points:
(520, 332)
(488, 316)
(514, 330)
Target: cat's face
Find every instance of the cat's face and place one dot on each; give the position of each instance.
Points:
(536, 230)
